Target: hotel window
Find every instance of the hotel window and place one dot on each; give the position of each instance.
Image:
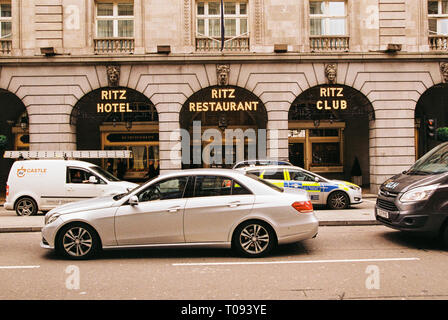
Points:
(208, 25)
(115, 20)
(5, 20)
(438, 17)
(328, 18)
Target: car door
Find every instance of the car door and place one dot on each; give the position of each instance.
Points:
(78, 187)
(218, 202)
(158, 216)
(306, 181)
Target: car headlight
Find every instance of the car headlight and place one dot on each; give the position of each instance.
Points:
(354, 187)
(418, 194)
(52, 218)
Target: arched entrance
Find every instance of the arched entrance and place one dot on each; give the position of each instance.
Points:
(431, 105)
(329, 132)
(13, 129)
(119, 118)
(222, 125)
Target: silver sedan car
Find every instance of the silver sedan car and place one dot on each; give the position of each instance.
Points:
(197, 207)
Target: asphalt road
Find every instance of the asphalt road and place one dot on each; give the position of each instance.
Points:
(371, 262)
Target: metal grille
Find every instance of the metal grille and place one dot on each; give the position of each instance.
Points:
(386, 205)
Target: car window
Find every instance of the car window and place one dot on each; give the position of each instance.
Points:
(77, 175)
(238, 189)
(298, 175)
(274, 174)
(209, 186)
(172, 188)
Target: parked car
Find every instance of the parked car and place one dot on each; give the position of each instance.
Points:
(260, 162)
(35, 185)
(195, 207)
(333, 193)
(416, 200)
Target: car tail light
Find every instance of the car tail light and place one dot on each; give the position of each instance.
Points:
(303, 206)
(7, 190)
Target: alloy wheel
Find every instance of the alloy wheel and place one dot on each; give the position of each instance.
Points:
(26, 207)
(338, 201)
(254, 239)
(77, 242)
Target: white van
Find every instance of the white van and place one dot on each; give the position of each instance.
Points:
(35, 185)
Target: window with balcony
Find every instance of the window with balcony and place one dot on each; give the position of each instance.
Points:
(328, 26)
(208, 26)
(114, 27)
(5, 28)
(438, 24)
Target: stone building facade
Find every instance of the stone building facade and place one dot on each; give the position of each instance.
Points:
(60, 59)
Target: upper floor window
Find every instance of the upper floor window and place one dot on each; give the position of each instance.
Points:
(438, 17)
(5, 20)
(115, 19)
(208, 25)
(328, 18)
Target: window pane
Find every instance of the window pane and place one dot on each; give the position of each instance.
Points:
(316, 7)
(274, 175)
(125, 28)
(5, 10)
(105, 29)
(168, 189)
(201, 8)
(324, 132)
(325, 153)
(243, 8)
(432, 26)
(105, 9)
(6, 30)
(443, 23)
(336, 27)
(230, 27)
(444, 7)
(214, 28)
(229, 7)
(433, 7)
(125, 9)
(239, 189)
(316, 27)
(243, 26)
(336, 8)
(300, 176)
(214, 8)
(209, 186)
(201, 26)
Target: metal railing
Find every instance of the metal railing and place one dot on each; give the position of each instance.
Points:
(114, 45)
(329, 43)
(208, 44)
(5, 46)
(438, 42)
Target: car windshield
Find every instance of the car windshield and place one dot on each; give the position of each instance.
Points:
(271, 185)
(104, 173)
(434, 162)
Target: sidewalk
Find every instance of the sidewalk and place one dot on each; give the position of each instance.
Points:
(358, 215)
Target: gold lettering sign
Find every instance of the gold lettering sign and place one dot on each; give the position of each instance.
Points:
(110, 104)
(217, 103)
(333, 103)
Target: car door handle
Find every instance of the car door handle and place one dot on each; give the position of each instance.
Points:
(234, 204)
(174, 209)
(69, 189)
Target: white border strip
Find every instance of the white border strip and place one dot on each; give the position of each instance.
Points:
(19, 267)
(292, 262)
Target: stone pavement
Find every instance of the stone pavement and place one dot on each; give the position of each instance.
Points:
(357, 215)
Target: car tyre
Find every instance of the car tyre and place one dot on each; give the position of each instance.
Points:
(26, 206)
(254, 239)
(77, 241)
(338, 200)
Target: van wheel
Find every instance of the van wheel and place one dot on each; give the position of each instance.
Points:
(338, 200)
(26, 207)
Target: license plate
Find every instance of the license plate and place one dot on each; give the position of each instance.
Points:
(382, 213)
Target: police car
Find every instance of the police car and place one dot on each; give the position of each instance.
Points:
(333, 193)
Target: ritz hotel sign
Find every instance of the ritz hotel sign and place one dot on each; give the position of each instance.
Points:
(113, 100)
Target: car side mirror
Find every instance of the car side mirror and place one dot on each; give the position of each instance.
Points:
(93, 180)
(133, 200)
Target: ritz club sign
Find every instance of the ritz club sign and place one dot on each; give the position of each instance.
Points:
(113, 100)
(331, 98)
(222, 99)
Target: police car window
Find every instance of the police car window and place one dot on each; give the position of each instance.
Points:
(168, 189)
(298, 175)
(209, 186)
(274, 174)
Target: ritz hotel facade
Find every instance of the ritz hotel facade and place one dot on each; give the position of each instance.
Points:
(332, 82)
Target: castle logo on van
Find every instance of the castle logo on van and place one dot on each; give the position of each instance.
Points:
(22, 171)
